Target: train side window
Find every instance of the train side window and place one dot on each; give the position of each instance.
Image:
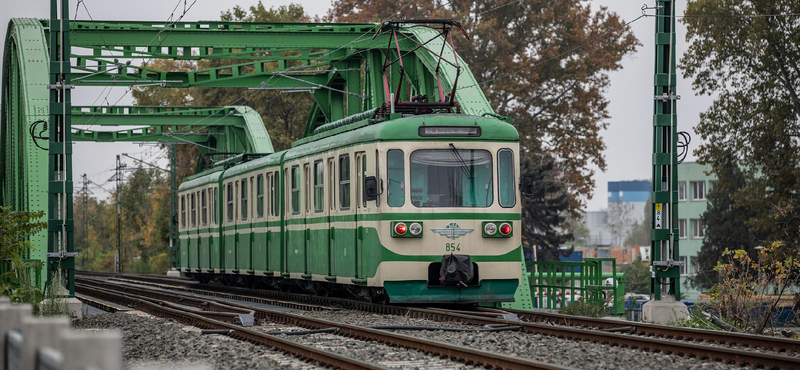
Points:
(203, 208)
(319, 186)
(395, 176)
(362, 177)
(307, 187)
(295, 190)
(193, 211)
(344, 182)
(378, 177)
(260, 196)
(183, 211)
(275, 186)
(243, 206)
(214, 203)
(331, 186)
(229, 196)
(505, 177)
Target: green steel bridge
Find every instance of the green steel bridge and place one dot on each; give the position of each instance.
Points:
(342, 65)
(349, 69)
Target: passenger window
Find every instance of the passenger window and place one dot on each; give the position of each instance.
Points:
(204, 208)
(295, 189)
(274, 203)
(344, 182)
(331, 187)
(395, 176)
(260, 196)
(505, 177)
(229, 194)
(319, 186)
(306, 188)
(194, 211)
(244, 199)
(214, 207)
(183, 211)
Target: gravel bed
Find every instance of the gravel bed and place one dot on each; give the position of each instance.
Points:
(149, 342)
(376, 353)
(570, 353)
(371, 319)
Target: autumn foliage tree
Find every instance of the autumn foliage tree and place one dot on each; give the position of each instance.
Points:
(746, 52)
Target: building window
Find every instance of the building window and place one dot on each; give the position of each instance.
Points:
(260, 196)
(698, 232)
(682, 228)
(395, 164)
(319, 186)
(344, 182)
(681, 190)
(684, 265)
(698, 190)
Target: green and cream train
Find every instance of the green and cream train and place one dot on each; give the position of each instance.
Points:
(417, 209)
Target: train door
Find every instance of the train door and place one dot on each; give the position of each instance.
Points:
(344, 231)
(361, 166)
(331, 208)
(317, 256)
(307, 215)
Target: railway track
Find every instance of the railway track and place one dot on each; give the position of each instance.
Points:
(646, 337)
(154, 302)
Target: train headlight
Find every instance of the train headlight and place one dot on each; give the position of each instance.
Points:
(400, 228)
(490, 229)
(505, 229)
(415, 229)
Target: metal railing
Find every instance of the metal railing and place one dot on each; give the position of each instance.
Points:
(557, 284)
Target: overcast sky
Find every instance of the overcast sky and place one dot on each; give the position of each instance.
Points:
(628, 138)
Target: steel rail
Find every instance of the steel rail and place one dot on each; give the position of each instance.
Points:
(662, 331)
(100, 305)
(466, 355)
(644, 340)
(304, 352)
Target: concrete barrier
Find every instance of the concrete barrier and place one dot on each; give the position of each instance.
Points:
(29, 342)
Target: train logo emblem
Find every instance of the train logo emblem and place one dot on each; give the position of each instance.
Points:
(452, 231)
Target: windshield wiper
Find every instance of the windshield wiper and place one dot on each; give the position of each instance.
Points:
(466, 169)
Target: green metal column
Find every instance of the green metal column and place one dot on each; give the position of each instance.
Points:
(665, 265)
(173, 208)
(60, 245)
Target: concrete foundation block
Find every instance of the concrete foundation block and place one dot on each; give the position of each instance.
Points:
(11, 318)
(41, 332)
(664, 311)
(91, 350)
(174, 273)
(75, 307)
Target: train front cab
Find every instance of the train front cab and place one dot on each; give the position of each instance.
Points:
(198, 225)
(444, 198)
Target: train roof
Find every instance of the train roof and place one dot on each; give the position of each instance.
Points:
(200, 180)
(403, 129)
(397, 129)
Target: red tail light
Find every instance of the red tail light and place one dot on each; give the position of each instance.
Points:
(400, 228)
(505, 229)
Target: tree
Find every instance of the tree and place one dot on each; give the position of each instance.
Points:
(619, 220)
(15, 229)
(751, 65)
(544, 210)
(637, 276)
(640, 234)
(557, 107)
(725, 223)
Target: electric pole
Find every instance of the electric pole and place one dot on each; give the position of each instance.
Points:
(665, 263)
(118, 178)
(60, 243)
(85, 194)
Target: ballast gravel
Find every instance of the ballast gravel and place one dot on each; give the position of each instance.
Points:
(149, 342)
(569, 353)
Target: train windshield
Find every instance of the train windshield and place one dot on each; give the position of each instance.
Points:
(451, 178)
